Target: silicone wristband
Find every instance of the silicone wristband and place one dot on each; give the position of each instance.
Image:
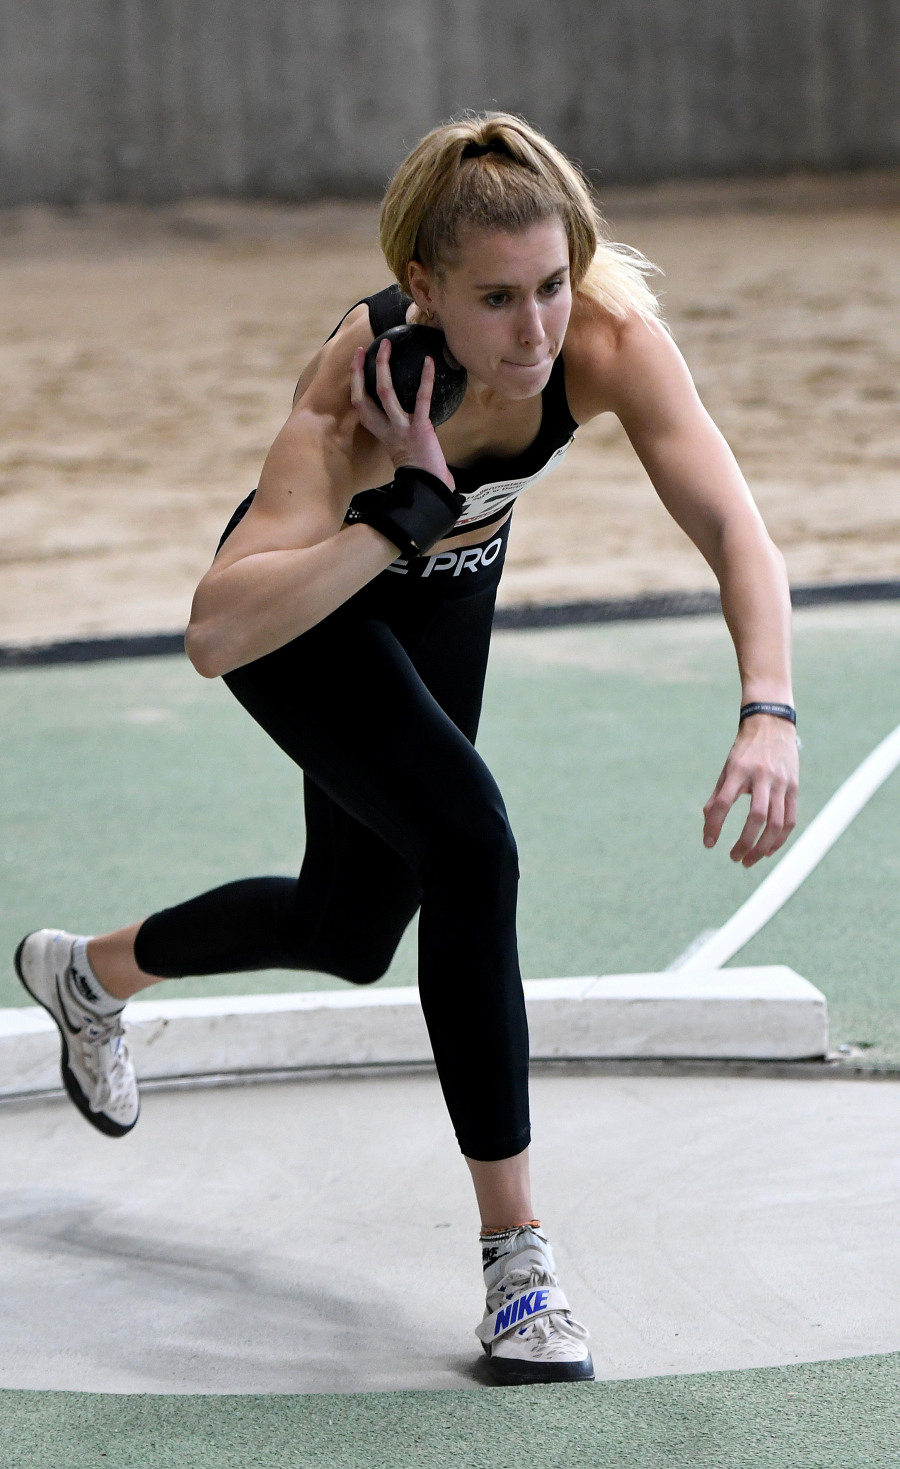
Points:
(781, 711)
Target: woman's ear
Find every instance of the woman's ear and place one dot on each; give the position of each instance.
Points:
(422, 290)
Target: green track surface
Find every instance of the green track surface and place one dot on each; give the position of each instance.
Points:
(128, 786)
(827, 1415)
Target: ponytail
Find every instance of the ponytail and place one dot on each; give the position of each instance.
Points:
(492, 170)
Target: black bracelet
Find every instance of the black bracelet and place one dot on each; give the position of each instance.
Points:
(781, 711)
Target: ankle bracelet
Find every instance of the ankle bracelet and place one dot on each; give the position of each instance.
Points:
(509, 1228)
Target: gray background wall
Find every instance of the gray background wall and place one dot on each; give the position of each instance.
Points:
(156, 99)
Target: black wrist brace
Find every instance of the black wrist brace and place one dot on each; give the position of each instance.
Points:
(414, 513)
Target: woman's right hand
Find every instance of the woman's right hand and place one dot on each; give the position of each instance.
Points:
(407, 438)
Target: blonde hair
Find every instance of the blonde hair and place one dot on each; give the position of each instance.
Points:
(491, 170)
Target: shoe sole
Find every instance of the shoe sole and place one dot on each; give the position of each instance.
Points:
(70, 1081)
(516, 1372)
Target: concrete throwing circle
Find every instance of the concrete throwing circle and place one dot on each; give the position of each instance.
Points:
(321, 1236)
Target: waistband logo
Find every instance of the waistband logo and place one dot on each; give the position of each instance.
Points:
(469, 558)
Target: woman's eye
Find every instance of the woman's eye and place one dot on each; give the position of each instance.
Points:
(497, 298)
(552, 287)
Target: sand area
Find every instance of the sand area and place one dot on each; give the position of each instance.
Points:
(148, 357)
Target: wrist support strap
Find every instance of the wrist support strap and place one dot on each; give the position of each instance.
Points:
(780, 711)
(414, 513)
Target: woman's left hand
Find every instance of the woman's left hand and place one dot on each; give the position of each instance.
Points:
(764, 764)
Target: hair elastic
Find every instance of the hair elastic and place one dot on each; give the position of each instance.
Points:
(478, 150)
(780, 711)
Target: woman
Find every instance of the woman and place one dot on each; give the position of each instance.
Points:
(366, 666)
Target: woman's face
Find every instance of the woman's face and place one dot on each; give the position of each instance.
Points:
(503, 305)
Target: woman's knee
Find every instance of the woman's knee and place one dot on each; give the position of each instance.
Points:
(366, 968)
(480, 840)
(356, 953)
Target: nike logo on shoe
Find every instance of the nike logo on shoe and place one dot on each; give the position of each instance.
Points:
(528, 1305)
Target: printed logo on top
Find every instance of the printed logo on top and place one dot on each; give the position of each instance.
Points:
(489, 497)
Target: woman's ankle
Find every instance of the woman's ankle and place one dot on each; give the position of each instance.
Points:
(111, 957)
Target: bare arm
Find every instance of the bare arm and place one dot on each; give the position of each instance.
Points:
(290, 562)
(639, 374)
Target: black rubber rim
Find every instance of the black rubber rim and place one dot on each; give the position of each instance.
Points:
(512, 1373)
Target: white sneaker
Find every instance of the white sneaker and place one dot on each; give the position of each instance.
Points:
(528, 1331)
(97, 1069)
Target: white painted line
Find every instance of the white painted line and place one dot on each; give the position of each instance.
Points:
(793, 869)
(681, 959)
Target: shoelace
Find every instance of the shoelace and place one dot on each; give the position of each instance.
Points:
(111, 1080)
(517, 1280)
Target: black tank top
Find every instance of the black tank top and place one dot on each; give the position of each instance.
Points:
(491, 484)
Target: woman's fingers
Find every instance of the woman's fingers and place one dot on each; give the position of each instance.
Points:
(756, 819)
(385, 418)
(781, 821)
(763, 829)
(385, 386)
(770, 820)
(779, 826)
(407, 438)
(424, 391)
(729, 786)
(790, 808)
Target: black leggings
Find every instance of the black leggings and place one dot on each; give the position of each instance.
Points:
(379, 705)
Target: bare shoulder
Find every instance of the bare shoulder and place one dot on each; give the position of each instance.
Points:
(322, 410)
(320, 458)
(605, 355)
(326, 377)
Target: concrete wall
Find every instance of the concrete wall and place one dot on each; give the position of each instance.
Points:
(156, 99)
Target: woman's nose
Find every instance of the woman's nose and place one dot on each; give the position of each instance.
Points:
(531, 326)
